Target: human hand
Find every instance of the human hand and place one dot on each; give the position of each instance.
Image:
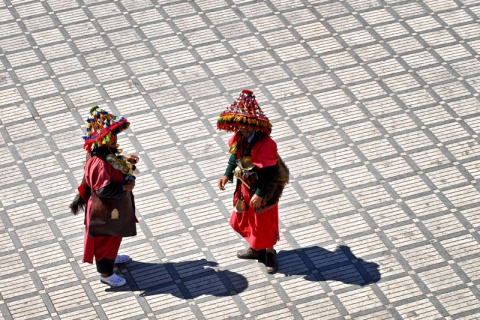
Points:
(256, 201)
(222, 182)
(129, 185)
(132, 158)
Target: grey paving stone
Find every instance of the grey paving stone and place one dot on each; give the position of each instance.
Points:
(375, 108)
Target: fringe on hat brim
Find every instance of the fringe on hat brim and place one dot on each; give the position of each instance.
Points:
(118, 127)
(232, 122)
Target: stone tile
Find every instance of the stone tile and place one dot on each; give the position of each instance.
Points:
(374, 108)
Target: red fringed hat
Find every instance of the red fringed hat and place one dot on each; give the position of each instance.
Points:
(100, 126)
(244, 111)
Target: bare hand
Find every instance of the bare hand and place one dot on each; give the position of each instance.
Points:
(256, 201)
(222, 182)
(129, 186)
(132, 158)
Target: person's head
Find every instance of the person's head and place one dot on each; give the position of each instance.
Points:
(246, 130)
(112, 144)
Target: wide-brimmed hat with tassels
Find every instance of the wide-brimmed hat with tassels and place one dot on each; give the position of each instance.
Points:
(244, 111)
(100, 126)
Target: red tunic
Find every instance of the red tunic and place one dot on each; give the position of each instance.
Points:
(260, 230)
(98, 174)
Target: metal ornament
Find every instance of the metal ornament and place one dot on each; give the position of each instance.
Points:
(240, 206)
(238, 174)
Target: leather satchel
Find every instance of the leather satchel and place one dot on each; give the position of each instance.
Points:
(113, 216)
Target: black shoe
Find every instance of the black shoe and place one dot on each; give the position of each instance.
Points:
(271, 262)
(250, 254)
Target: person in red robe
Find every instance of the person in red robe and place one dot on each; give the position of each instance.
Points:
(261, 176)
(106, 192)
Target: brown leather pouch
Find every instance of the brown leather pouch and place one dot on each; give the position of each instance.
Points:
(113, 216)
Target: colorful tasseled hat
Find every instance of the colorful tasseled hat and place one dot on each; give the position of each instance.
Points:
(100, 126)
(244, 111)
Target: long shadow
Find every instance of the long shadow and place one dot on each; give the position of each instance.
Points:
(185, 280)
(318, 264)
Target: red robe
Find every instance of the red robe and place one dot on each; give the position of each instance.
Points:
(260, 230)
(99, 174)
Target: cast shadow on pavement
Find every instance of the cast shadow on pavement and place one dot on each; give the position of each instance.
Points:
(318, 264)
(184, 280)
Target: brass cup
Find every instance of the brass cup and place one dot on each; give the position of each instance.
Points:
(246, 163)
(240, 206)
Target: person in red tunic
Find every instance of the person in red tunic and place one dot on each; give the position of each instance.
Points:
(106, 190)
(261, 176)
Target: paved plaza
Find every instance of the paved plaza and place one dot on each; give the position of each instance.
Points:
(375, 109)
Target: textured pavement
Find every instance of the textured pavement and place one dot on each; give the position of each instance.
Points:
(375, 109)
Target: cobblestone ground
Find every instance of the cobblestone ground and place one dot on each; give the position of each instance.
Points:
(375, 109)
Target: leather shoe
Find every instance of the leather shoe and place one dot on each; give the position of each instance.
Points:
(271, 262)
(250, 253)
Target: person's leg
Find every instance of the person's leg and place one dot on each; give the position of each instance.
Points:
(106, 250)
(105, 267)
